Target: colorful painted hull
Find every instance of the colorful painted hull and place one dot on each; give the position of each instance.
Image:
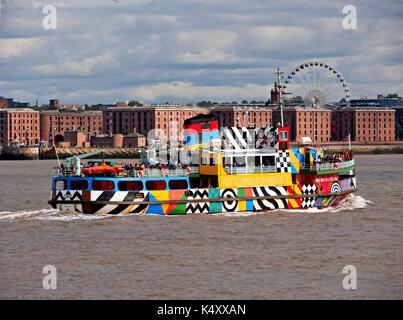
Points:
(213, 200)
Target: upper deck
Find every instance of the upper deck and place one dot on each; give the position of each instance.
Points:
(146, 172)
(331, 167)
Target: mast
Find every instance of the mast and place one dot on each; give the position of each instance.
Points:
(349, 141)
(279, 76)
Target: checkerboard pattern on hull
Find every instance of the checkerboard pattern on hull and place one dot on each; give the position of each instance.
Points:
(283, 161)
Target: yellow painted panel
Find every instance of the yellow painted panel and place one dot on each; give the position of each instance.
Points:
(160, 195)
(242, 206)
(255, 180)
(294, 161)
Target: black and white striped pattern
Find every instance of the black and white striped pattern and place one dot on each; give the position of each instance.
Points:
(70, 195)
(201, 207)
(197, 207)
(239, 138)
(336, 188)
(283, 161)
(135, 206)
(230, 205)
(269, 204)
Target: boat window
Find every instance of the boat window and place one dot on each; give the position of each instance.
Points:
(268, 160)
(283, 135)
(130, 185)
(78, 184)
(178, 184)
(60, 184)
(103, 185)
(156, 185)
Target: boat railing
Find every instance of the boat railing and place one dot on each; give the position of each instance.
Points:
(59, 172)
(249, 169)
(156, 172)
(331, 165)
(146, 172)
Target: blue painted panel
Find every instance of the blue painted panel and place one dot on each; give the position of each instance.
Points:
(117, 179)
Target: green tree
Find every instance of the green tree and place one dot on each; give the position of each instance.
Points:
(392, 95)
(204, 103)
(135, 103)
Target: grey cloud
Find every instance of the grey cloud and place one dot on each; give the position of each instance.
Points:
(107, 50)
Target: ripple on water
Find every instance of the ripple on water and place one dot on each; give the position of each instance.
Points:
(351, 203)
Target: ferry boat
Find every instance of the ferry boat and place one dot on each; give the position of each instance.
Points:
(233, 169)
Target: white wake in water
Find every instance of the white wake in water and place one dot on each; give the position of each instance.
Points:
(47, 214)
(352, 202)
(69, 216)
(11, 215)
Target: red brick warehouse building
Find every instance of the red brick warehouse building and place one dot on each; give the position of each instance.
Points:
(243, 115)
(21, 125)
(167, 118)
(365, 124)
(54, 124)
(306, 122)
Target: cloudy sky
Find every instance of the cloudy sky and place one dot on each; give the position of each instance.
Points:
(192, 50)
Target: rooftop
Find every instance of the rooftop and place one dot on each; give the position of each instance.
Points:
(306, 108)
(75, 113)
(18, 110)
(157, 107)
(224, 107)
(368, 107)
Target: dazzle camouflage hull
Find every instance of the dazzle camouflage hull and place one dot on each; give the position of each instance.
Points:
(234, 169)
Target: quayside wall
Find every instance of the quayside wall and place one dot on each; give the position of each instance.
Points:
(108, 153)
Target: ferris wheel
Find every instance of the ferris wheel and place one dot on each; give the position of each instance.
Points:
(315, 83)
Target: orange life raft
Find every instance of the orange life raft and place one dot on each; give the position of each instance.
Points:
(102, 169)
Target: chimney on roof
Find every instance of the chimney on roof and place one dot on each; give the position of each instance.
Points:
(275, 94)
(54, 104)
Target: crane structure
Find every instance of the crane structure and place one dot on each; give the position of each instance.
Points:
(75, 161)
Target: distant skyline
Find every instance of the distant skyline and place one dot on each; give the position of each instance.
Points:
(187, 51)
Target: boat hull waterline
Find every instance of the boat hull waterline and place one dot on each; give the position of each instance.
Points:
(210, 201)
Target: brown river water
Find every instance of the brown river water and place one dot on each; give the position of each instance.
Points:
(273, 255)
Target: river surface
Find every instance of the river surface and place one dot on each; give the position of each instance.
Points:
(273, 255)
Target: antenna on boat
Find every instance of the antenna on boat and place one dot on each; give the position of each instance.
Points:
(57, 156)
(279, 76)
(349, 141)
